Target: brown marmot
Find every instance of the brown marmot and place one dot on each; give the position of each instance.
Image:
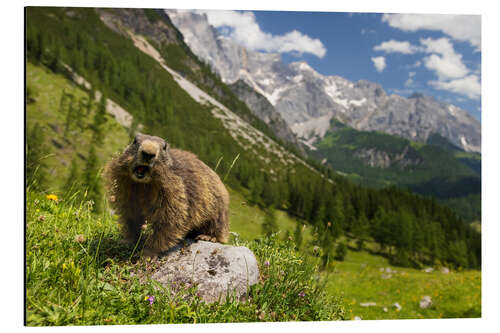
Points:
(171, 190)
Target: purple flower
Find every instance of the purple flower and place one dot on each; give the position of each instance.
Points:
(302, 294)
(266, 263)
(151, 299)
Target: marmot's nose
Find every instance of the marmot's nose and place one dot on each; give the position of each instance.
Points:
(147, 157)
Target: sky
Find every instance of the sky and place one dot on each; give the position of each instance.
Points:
(436, 55)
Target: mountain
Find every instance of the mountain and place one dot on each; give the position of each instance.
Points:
(308, 100)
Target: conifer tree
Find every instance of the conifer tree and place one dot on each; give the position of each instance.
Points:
(98, 122)
(270, 224)
(340, 251)
(297, 235)
(72, 182)
(36, 152)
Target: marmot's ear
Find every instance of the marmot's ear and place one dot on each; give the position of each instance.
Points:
(166, 146)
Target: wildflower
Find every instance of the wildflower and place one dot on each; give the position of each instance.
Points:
(329, 224)
(266, 263)
(52, 197)
(151, 299)
(64, 266)
(302, 294)
(80, 238)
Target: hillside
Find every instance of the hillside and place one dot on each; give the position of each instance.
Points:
(437, 169)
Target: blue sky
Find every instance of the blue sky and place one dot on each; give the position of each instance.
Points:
(437, 55)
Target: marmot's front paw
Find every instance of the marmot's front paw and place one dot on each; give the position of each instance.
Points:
(206, 238)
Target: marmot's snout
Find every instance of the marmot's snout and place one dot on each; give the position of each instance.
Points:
(147, 154)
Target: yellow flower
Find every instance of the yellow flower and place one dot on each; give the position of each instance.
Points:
(64, 266)
(146, 298)
(52, 197)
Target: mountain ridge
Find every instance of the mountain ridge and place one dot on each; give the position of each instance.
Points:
(307, 99)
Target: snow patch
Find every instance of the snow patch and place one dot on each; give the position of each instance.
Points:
(275, 95)
(266, 81)
(358, 102)
(452, 109)
(298, 78)
(343, 102)
(304, 66)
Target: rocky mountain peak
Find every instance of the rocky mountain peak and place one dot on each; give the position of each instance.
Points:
(308, 100)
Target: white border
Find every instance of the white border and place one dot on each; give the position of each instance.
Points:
(12, 157)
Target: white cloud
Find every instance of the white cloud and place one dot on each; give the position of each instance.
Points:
(379, 63)
(443, 59)
(468, 86)
(410, 82)
(459, 27)
(394, 46)
(246, 31)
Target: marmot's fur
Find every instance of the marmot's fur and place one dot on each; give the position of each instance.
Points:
(169, 190)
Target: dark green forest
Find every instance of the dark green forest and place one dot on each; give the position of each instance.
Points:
(411, 229)
(436, 168)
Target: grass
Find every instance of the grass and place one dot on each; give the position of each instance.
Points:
(359, 280)
(78, 272)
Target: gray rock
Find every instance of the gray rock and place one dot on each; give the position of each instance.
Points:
(217, 270)
(428, 270)
(425, 302)
(445, 270)
(368, 304)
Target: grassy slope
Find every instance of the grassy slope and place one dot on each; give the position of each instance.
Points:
(45, 110)
(359, 280)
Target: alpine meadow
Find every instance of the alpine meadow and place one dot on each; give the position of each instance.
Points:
(353, 210)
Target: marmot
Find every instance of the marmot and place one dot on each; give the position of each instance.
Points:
(171, 190)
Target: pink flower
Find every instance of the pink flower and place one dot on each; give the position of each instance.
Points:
(266, 263)
(302, 294)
